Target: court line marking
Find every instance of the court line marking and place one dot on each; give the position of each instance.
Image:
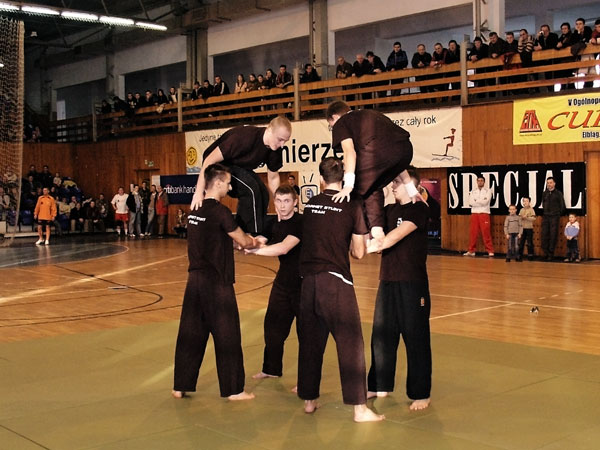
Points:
(471, 311)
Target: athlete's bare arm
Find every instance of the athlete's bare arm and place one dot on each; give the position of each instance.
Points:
(215, 157)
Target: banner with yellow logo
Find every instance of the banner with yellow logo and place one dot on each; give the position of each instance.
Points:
(567, 118)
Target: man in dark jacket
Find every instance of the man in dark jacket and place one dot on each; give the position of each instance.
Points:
(421, 60)
(553, 204)
(361, 67)
(397, 59)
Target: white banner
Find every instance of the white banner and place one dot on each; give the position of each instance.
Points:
(436, 135)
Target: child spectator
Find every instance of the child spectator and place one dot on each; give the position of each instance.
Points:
(57, 180)
(513, 229)
(572, 233)
(181, 224)
(527, 215)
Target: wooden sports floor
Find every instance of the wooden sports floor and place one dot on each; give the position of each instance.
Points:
(88, 328)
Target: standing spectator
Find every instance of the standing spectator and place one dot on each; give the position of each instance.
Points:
(196, 91)
(33, 173)
(582, 36)
(566, 37)
(161, 209)
(139, 101)
(173, 95)
(105, 108)
(344, 70)
(44, 213)
(438, 59)
(240, 84)
(553, 204)
(292, 183)
(512, 46)
(151, 210)
(161, 98)
(77, 218)
(572, 233)
(377, 67)
(421, 60)
(497, 46)
(310, 74)
(261, 81)
(220, 87)
(284, 78)
(94, 220)
(270, 79)
(546, 40)
(527, 215)
(207, 90)
(525, 46)
(102, 207)
(479, 201)
(453, 56)
(119, 203)
(513, 230)
(253, 84)
(361, 67)
(397, 59)
(596, 33)
(134, 204)
(181, 223)
(131, 100)
(145, 196)
(479, 50)
(46, 178)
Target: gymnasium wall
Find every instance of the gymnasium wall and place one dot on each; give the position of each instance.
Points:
(487, 140)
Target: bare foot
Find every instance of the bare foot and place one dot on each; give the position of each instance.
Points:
(381, 394)
(241, 396)
(310, 406)
(262, 375)
(295, 389)
(364, 414)
(178, 394)
(419, 404)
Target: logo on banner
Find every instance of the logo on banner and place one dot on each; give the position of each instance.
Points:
(530, 123)
(191, 156)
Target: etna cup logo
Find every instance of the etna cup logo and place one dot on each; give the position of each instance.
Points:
(530, 123)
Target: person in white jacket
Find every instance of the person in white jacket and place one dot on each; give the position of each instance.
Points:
(479, 201)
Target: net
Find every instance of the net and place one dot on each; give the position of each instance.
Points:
(12, 33)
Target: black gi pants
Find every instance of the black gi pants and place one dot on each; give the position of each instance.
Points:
(209, 307)
(328, 305)
(401, 309)
(549, 234)
(284, 305)
(253, 199)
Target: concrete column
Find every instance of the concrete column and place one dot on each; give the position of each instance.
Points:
(488, 16)
(319, 37)
(543, 17)
(197, 56)
(112, 79)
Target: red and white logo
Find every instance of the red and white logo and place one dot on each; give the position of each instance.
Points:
(530, 123)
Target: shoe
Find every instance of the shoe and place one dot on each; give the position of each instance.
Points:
(490, 254)
(47, 242)
(39, 242)
(469, 254)
(578, 260)
(507, 259)
(132, 235)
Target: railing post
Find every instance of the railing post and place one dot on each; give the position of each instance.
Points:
(94, 125)
(464, 91)
(296, 93)
(179, 109)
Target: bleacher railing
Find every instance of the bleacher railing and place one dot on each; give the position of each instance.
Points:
(459, 83)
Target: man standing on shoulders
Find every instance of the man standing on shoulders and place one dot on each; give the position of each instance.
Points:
(553, 206)
(480, 199)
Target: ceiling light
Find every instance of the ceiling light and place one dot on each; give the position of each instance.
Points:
(1, 65)
(79, 16)
(8, 7)
(116, 21)
(40, 10)
(151, 26)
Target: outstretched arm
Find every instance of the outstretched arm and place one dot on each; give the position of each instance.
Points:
(349, 171)
(243, 239)
(358, 247)
(273, 181)
(215, 157)
(281, 248)
(392, 238)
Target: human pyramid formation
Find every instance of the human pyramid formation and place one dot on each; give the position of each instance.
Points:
(314, 283)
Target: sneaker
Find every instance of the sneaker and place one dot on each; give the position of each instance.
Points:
(469, 254)
(39, 242)
(132, 235)
(578, 260)
(490, 254)
(47, 242)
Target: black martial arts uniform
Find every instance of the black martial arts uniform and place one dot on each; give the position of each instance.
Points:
(383, 151)
(284, 301)
(402, 307)
(328, 302)
(243, 151)
(209, 304)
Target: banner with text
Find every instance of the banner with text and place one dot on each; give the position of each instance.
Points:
(509, 184)
(552, 120)
(180, 188)
(436, 136)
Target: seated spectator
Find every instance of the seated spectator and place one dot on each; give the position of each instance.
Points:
(53, 192)
(181, 224)
(310, 74)
(161, 98)
(94, 221)
(270, 79)
(253, 83)
(421, 60)
(545, 39)
(46, 178)
(196, 92)
(240, 84)
(10, 178)
(207, 90)
(284, 78)
(220, 87)
(172, 95)
(4, 203)
(397, 59)
(77, 218)
(105, 108)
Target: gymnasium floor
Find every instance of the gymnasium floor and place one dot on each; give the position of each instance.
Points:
(88, 327)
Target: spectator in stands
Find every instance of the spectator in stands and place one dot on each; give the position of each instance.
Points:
(438, 59)
(284, 78)
(292, 183)
(181, 224)
(596, 33)
(102, 206)
(453, 56)
(77, 218)
(54, 192)
(131, 100)
(253, 84)
(161, 98)
(497, 46)
(44, 213)
(566, 38)
(397, 59)
(270, 79)
(310, 74)
(512, 46)
(162, 209)
(4, 203)
(134, 205)
(149, 99)
(94, 220)
(361, 67)
(105, 108)
(207, 90)
(119, 203)
(582, 36)
(240, 84)
(196, 92)
(33, 172)
(10, 178)
(57, 180)
(46, 178)
(73, 202)
(138, 100)
(479, 50)
(172, 95)
(546, 40)
(261, 81)
(64, 209)
(151, 211)
(344, 70)
(121, 105)
(220, 87)
(421, 60)
(526, 44)
(376, 67)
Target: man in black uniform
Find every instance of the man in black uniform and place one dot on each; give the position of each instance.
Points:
(284, 300)
(243, 149)
(376, 150)
(403, 303)
(209, 304)
(328, 302)
(553, 206)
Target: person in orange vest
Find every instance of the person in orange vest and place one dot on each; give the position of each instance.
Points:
(44, 213)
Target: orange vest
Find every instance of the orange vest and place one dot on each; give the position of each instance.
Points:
(45, 209)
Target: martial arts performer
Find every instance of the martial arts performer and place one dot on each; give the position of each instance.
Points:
(328, 302)
(375, 150)
(209, 304)
(403, 303)
(284, 300)
(243, 149)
